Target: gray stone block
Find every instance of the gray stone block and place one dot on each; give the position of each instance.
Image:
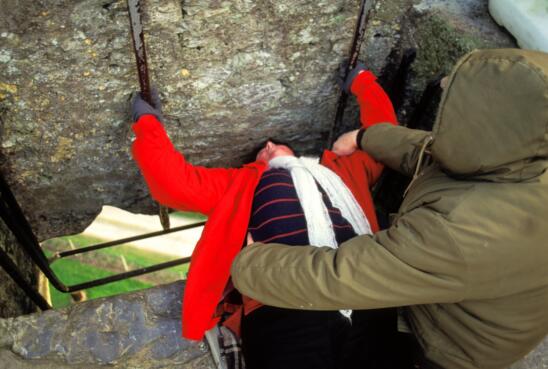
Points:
(120, 331)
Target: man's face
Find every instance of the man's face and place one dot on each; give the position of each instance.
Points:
(272, 150)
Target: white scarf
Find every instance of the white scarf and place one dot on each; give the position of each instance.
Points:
(305, 172)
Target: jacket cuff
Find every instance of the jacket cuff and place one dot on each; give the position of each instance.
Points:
(146, 123)
(359, 138)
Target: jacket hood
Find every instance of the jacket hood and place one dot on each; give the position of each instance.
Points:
(492, 121)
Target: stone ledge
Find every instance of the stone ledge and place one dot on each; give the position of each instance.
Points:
(140, 330)
(136, 330)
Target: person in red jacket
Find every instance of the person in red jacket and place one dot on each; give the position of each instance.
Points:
(233, 201)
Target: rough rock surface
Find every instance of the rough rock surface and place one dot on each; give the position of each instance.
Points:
(138, 331)
(231, 73)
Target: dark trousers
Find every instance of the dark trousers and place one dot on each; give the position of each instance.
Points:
(374, 342)
(274, 338)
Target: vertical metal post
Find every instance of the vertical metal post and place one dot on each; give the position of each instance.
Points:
(13, 271)
(138, 37)
(354, 53)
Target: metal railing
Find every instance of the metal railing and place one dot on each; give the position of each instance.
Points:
(15, 220)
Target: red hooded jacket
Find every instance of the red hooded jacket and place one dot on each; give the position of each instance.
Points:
(226, 195)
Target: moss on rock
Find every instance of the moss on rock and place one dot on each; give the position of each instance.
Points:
(437, 55)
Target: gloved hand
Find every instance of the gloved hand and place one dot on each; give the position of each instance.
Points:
(346, 83)
(140, 107)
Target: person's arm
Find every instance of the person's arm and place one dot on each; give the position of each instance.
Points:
(375, 108)
(395, 146)
(171, 179)
(380, 136)
(413, 262)
(375, 105)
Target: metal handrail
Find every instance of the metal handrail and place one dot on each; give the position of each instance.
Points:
(13, 216)
(61, 254)
(130, 274)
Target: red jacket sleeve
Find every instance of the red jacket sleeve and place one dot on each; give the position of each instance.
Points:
(173, 181)
(375, 107)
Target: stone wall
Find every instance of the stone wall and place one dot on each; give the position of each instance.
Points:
(231, 73)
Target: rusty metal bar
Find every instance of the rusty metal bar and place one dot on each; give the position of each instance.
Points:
(13, 271)
(16, 221)
(130, 274)
(357, 40)
(62, 254)
(138, 38)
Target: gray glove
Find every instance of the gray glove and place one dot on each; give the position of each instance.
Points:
(140, 107)
(346, 83)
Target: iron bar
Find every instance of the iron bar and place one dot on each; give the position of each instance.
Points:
(130, 274)
(357, 40)
(16, 221)
(13, 271)
(62, 254)
(138, 38)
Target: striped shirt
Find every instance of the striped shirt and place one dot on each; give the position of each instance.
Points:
(277, 215)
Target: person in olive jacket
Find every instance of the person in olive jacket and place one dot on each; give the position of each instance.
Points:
(466, 257)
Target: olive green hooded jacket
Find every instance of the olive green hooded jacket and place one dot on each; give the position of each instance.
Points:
(467, 254)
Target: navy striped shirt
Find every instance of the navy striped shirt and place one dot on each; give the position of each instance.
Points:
(277, 215)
